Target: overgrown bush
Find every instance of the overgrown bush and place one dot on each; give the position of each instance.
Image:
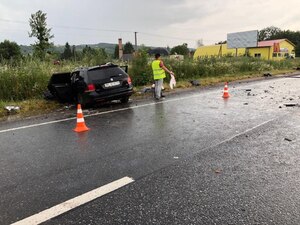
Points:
(27, 80)
(207, 67)
(94, 57)
(140, 71)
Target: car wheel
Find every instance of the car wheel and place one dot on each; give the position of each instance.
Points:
(125, 99)
(80, 101)
(54, 92)
(83, 104)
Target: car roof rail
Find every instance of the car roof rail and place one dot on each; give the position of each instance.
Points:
(108, 64)
(103, 66)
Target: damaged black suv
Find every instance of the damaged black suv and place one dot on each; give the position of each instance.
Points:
(89, 85)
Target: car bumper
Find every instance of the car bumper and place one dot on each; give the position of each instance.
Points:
(93, 97)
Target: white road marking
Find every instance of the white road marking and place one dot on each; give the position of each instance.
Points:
(37, 125)
(74, 202)
(97, 114)
(239, 134)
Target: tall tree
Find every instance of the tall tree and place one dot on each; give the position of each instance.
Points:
(128, 48)
(43, 34)
(267, 33)
(9, 50)
(87, 50)
(180, 49)
(67, 54)
(74, 52)
(116, 52)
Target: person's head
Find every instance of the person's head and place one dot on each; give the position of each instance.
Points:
(157, 55)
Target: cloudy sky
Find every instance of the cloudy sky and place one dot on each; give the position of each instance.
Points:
(158, 22)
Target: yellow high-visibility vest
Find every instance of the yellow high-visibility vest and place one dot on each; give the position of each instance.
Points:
(158, 72)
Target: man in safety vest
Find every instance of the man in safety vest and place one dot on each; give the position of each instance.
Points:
(159, 74)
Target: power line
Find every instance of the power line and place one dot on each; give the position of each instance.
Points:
(164, 36)
(98, 29)
(12, 21)
(106, 30)
(71, 27)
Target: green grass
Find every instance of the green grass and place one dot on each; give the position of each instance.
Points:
(29, 107)
(27, 80)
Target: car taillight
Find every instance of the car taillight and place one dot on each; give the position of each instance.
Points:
(129, 80)
(90, 87)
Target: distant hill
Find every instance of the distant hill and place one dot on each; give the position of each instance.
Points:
(109, 48)
(26, 49)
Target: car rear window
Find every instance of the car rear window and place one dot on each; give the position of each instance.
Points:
(105, 73)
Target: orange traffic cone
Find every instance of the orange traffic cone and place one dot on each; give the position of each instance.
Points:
(225, 93)
(80, 127)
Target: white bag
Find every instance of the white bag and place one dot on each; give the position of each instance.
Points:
(172, 82)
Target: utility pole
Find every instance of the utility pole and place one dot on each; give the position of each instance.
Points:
(135, 38)
(120, 49)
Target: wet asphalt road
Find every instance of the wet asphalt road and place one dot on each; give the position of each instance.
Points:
(195, 158)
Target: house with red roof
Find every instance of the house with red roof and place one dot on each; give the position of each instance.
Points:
(273, 49)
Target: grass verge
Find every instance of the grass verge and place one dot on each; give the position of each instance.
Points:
(30, 107)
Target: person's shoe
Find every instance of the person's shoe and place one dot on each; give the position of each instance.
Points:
(159, 99)
(163, 96)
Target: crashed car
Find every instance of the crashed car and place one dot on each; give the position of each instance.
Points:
(89, 85)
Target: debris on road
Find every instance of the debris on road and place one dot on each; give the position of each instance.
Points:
(195, 82)
(248, 89)
(267, 75)
(249, 94)
(12, 109)
(217, 171)
(69, 106)
(291, 105)
(147, 89)
(287, 139)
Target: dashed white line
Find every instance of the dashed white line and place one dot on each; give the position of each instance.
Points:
(74, 202)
